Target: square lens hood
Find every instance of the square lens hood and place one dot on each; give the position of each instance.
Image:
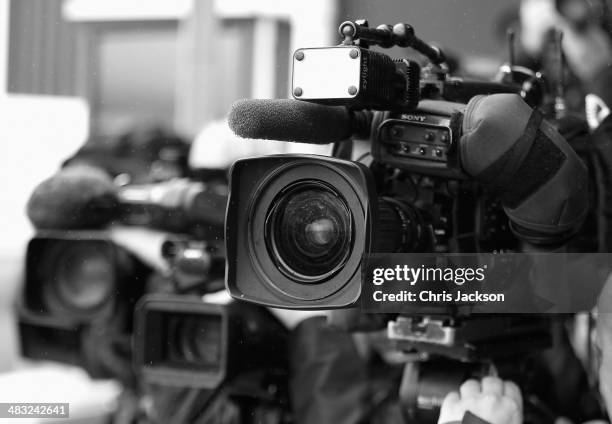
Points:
(253, 273)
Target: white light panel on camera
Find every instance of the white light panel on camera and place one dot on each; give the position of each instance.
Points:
(326, 73)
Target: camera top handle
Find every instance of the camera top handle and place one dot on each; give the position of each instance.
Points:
(387, 36)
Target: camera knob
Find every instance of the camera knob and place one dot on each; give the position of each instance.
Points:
(403, 34)
(387, 42)
(347, 29)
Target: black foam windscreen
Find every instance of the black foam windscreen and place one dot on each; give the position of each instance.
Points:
(290, 120)
(78, 197)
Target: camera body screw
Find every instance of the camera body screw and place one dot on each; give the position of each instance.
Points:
(354, 53)
(352, 90)
(299, 55)
(297, 91)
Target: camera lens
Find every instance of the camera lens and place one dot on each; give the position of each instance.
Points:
(401, 228)
(309, 231)
(197, 340)
(84, 277)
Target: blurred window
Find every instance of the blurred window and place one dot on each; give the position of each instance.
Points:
(42, 49)
(136, 74)
(179, 67)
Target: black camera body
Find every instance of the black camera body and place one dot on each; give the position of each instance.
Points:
(423, 141)
(298, 227)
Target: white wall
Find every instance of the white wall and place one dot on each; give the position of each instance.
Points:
(37, 134)
(313, 23)
(113, 10)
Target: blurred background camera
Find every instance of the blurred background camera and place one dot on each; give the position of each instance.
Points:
(205, 353)
(80, 290)
(183, 341)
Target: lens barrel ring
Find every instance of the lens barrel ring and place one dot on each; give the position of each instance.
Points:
(263, 199)
(196, 339)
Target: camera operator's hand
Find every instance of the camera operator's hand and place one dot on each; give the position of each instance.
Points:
(492, 400)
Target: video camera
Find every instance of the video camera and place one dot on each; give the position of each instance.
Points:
(79, 293)
(298, 227)
(183, 341)
(81, 285)
(192, 358)
(195, 358)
